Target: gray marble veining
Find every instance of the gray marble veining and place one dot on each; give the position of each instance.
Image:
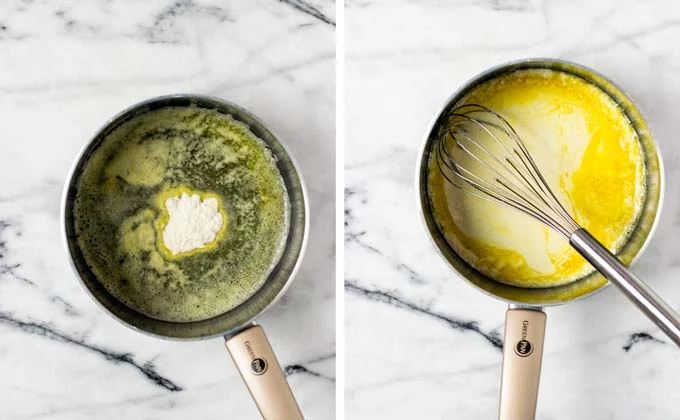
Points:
(420, 342)
(65, 68)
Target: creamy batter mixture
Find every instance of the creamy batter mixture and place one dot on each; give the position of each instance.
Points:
(590, 156)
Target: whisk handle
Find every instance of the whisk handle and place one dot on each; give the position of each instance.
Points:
(655, 308)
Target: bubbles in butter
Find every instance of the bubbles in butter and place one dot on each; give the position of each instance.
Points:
(589, 154)
(121, 212)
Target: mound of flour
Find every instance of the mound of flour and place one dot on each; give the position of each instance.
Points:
(192, 223)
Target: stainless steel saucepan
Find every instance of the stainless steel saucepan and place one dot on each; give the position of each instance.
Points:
(525, 319)
(245, 340)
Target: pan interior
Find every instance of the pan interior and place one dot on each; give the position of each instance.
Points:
(271, 282)
(637, 237)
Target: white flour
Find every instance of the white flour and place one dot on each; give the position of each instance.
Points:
(192, 223)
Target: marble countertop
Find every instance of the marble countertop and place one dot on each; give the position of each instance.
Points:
(65, 68)
(420, 343)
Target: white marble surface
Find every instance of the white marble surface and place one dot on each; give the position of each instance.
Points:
(65, 68)
(420, 342)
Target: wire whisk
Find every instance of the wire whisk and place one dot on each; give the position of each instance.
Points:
(479, 152)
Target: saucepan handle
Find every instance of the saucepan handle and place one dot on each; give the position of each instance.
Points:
(522, 355)
(257, 364)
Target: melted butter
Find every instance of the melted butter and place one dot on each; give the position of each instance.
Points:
(590, 156)
(142, 164)
(138, 243)
(120, 212)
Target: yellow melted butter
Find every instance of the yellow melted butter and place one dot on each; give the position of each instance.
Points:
(590, 156)
(138, 236)
(142, 164)
(120, 212)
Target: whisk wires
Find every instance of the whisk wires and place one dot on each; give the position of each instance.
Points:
(479, 152)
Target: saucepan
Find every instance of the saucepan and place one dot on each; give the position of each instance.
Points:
(525, 319)
(245, 340)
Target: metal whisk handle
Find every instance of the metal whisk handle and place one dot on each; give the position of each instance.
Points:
(660, 312)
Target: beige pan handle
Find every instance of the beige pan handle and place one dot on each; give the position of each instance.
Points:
(522, 355)
(255, 360)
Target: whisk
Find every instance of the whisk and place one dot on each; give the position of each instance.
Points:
(479, 152)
